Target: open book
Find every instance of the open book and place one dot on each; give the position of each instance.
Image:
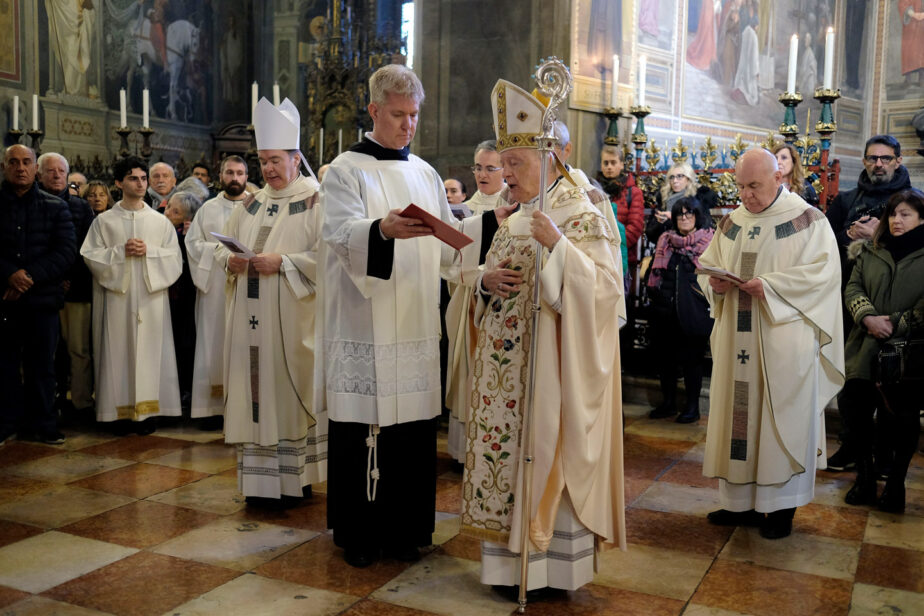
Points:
(719, 273)
(444, 232)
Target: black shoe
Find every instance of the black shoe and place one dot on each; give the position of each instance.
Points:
(404, 553)
(724, 517)
(359, 558)
(120, 427)
(306, 491)
(892, 499)
(148, 426)
(6, 435)
(266, 503)
(688, 416)
(777, 524)
(212, 423)
(663, 410)
(842, 460)
(50, 437)
(863, 491)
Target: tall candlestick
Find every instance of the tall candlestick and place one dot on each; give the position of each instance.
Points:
(35, 112)
(145, 108)
(829, 59)
(613, 89)
(642, 66)
(254, 97)
(339, 141)
(275, 93)
(793, 60)
(123, 119)
(321, 147)
(15, 113)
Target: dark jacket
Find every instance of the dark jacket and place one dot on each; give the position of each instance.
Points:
(37, 235)
(850, 205)
(81, 281)
(707, 200)
(878, 286)
(679, 297)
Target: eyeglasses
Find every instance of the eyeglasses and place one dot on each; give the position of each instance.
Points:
(872, 158)
(677, 176)
(686, 214)
(488, 169)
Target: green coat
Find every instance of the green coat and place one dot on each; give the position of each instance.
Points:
(879, 286)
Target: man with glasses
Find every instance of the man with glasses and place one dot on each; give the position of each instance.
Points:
(854, 215)
(488, 177)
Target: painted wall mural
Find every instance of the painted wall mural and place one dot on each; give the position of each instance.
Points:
(10, 42)
(904, 65)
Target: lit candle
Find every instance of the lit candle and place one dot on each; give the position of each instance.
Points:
(829, 59)
(254, 96)
(321, 147)
(615, 79)
(793, 59)
(275, 93)
(35, 112)
(15, 113)
(642, 65)
(145, 109)
(339, 141)
(123, 120)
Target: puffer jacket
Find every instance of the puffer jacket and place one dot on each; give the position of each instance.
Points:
(37, 235)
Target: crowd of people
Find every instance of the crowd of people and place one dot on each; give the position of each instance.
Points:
(310, 326)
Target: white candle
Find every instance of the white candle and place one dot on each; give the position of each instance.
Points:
(123, 120)
(642, 65)
(793, 59)
(275, 93)
(35, 112)
(339, 141)
(321, 147)
(254, 96)
(829, 59)
(15, 113)
(359, 134)
(145, 109)
(613, 96)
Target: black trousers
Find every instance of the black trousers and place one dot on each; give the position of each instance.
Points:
(675, 351)
(28, 337)
(404, 510)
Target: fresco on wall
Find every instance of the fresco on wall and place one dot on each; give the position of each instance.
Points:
(737, 54)
(904, 55)
(656, 22)
(166, 46)
(10, 42)
(599, 29)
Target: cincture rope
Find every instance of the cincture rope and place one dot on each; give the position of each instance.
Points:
(372, 464)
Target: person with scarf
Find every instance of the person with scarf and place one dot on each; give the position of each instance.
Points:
(680, 313)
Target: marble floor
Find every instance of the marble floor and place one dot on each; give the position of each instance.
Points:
(148, 525)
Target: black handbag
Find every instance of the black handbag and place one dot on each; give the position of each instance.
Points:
(900, 362)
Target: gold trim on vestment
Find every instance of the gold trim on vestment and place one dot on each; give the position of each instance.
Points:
(133, 412)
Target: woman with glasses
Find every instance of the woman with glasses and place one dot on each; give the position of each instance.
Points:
(790, 161)
(680, 182)
(680, 322)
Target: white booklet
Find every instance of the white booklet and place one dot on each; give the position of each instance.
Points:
(719, 273)
(234, 245)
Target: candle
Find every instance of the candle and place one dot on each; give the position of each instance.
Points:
(339, 141)
(359, 134)
(15, 113)
(642, 65)
(615, 79)
(321, 147)
(793, 59)
(829, 59)
(123, 120)
(145, 109)
(35, 123)
(275, 93)
(254, 96)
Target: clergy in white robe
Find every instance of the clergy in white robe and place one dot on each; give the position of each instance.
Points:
(209, 277)
(577, 492)
(133, 254)
(777, 348)
(269, 329)
(379, 328)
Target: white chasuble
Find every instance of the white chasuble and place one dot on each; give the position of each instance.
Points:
(269, 334)
(577, 414)
(134, 358)
(777, 361)
(381, 336)
(209, 277)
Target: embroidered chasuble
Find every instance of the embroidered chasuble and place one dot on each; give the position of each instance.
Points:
(209, 277)
(134, 360)
(269, 344)
(776, 362)
(577, 415)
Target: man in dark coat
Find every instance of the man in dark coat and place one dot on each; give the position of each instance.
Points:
(37, 249)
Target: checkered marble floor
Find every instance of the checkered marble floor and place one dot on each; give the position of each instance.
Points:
(147, 525)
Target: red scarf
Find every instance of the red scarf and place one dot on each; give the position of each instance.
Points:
(692, 245)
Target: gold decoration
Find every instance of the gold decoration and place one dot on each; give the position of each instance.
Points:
(709, 154)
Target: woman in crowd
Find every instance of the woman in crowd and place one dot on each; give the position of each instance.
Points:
(680, 321)
(793, 174)
(627, 200)
(681, 182)
(98, 196)
(885, 297)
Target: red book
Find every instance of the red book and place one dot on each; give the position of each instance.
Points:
(444, 232)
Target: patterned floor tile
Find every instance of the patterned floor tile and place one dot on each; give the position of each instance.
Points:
(214, 494)
(43, 606)
(823, 556)
(689, 473)
(891, 567)
(190, 433)
(875, 601)
(662, 496)
(10, 596)
(13, 487)
(449, 496)
(140, 524)
(11, 532)
(596, 600)
(143, 584)
(762, 591)
(462, 546)
(319, 563)
(137, 448)
(446, 527)
(309, 514)
(202, 457)
(65, 467)
(667, 429)
(367, 607)
(17, 452)
(252, 594)
(704, 610)
(675, 531)
(139, 480)
(642, 445)
(41, 562)
(839, 522)
(60, 505)
(652, 570)
(900, 531)
(646, 467)
(635, 488)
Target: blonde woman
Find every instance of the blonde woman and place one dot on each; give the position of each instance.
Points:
(681, 182)
(787, 156)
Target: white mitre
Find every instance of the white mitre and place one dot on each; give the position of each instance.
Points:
(276, 128)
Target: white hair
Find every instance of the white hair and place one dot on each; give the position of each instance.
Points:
(52, 155)
(396, 79)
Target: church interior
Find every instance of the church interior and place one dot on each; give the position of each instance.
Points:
(155, 524)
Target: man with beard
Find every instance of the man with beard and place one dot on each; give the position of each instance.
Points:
(854, 215)
(209, 277)
(163, 184)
